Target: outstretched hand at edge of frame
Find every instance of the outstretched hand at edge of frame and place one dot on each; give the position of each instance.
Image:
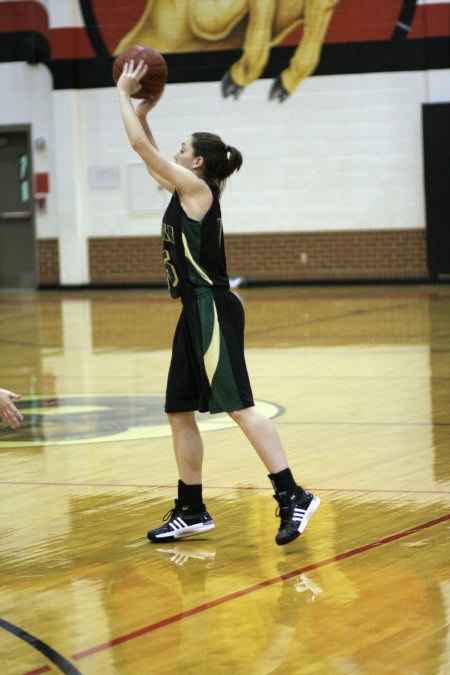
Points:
(8, 412)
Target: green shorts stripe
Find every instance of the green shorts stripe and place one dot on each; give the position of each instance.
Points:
(224, 391)
(208, 369)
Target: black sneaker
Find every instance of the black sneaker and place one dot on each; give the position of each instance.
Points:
(183, 521)
(294, 512)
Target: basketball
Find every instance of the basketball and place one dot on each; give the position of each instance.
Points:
(152, 84)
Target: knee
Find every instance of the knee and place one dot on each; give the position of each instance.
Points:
(235, 415)
(239, 416)
(181, 419)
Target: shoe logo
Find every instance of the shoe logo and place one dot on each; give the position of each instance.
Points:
(298, 514)
(177, 524)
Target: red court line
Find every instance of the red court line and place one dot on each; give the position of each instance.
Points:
(218, 487)
(256, 587)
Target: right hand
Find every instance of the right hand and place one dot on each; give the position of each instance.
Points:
(129, 81)
(8, 412)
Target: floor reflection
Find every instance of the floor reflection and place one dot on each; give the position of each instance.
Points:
(303, 602)
(359, 383)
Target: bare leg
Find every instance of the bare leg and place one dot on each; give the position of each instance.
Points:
(189, 517)
(263, 436)
(188, 447)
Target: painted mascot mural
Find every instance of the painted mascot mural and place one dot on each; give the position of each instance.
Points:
(252, 25)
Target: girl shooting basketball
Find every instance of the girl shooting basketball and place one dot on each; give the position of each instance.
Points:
(207, 370)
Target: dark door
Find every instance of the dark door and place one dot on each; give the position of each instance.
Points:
(17, 239)
(436, 150)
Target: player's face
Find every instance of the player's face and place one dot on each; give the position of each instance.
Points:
(185, 155)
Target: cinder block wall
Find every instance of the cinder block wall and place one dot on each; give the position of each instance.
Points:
(332, 182)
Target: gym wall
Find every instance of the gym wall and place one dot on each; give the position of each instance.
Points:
(332, 186)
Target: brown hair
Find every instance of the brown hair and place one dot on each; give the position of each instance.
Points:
(220, 159)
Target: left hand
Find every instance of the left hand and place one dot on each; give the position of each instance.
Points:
(146, 104)
(129, 81)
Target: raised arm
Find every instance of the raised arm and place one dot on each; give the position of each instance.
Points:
(142, 111)
(168, 174)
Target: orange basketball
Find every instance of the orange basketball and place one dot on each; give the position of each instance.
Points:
(152, 84)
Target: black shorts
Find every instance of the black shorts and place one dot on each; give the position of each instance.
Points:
(208, 370)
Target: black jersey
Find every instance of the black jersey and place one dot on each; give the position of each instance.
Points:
(193, 251)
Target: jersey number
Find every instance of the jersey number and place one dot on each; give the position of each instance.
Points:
(171, 274)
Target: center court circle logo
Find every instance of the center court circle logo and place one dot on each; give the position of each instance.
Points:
(101, 418)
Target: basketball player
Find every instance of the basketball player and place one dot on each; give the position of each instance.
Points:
(8, 412)
(207, 370)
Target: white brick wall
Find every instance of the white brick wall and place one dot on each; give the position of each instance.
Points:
(344, 152)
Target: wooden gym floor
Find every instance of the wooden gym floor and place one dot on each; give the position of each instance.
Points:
(357, 380)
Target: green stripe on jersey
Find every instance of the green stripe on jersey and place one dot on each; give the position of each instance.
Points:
(192, 239)
(224, 391)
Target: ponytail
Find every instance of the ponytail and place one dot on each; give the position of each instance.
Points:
(220, 159)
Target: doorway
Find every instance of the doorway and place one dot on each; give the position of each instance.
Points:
(436, 149)
(17, 236)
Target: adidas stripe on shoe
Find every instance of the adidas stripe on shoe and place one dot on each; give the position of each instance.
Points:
(183, 521)
(294, 513)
